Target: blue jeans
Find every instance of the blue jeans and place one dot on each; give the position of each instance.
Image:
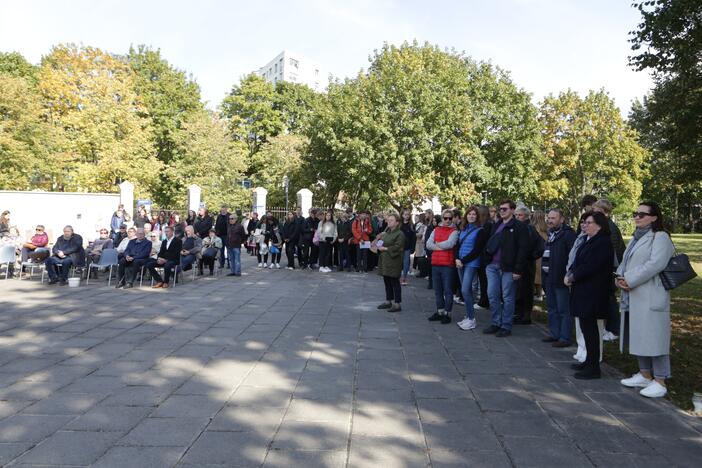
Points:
(234, 254)
(502, 292)
(467, 274)
(222, 251)
(558, 305)
(186, 261)
(52, 262)
(442, 279)
(405, 263)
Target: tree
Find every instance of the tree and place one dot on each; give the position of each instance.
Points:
(207, 156)
(89, 96)
(253, 118)
(14, 64)
(24, 136)
(280, 157)
(668, 42)
(589, 149)
(422, 122)
(169, 97)
(297, 104)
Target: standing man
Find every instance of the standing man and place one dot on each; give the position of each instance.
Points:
(135, 256)
(345, 234)
(525, 289)
(561, 238)
(221, 224)
(304, 238)
(67, 252)
(507, 251)
(168, 259)
(313, 222)
(235, 237)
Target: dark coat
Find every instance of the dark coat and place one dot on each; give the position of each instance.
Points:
(514, 245)
(172, 253)
(202, 226)
(617, 240)
(290, 231)
(390, 261)
(410, 236)
(557, 261)
(235, 235)
(72, 248)
(592, 278)
(221, 224)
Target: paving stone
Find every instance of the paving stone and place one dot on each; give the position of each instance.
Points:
(472, 458)
(314, 435)
(499, 400)
(461, 436)
(73, 403)
(540, 452)
(10, 451)
(235, 449)
(388, 452)
(140, 457)
(155, 432)
(182, 406)
(70, 448)
(306, 458)
(109, 418)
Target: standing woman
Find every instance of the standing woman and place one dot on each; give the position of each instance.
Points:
(442, 241)
(538, 220)
(410, 241)
(581, 352)
(419, 253)
(589, 281)
(645, 304)
(141, 218)
(390, 262)
(192, 216)
(486, 223)
(471, 244)
(327, 237)
(289, 233)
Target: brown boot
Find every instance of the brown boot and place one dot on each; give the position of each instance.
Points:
(158, 285)
(164, 286)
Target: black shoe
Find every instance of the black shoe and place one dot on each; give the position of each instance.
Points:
(522, 321)
(435, 318)
(446, 318)
(502, 333)
(63, 282)
(385, 305)
(211, 273)
(579, 366)
(200, 273)
(119, 284)
(491, 329)
(430, 286)
(549, 339)
(231, 274)
(588, 374)
(395, 307)
(560, 344)
(53, 281)
(128, 286)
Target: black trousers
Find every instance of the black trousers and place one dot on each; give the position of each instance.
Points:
(591, 333)
(393, 290)
(168, 268)
(525, 293)
(303, 252)
(314, 254)
(126, 271)
(482, 279)
(613, 315)
(290, 253)
(325, 254)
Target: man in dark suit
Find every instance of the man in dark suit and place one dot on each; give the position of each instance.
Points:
(67, 252)
(135, 256)
(168, 258)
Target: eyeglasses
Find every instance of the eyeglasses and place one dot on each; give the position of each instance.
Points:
(640, 214)
(589, 222)
(39, 230)
(502, 208)
(103, 232)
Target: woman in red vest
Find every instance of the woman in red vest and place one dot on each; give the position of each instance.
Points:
(443, 265)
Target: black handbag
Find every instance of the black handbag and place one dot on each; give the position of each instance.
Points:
(677, 272)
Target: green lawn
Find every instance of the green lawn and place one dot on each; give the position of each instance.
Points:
(686, 342)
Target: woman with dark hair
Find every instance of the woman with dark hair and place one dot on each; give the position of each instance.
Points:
(471, 244)
(327, 237)
(203, 223)
(141, 218)
(275, 239)
(410, 241)
(645, 304)
(192, 216)
(581, 352)
(290, 235)
(486, 222)
(589, 280)
(178, 226)
(390, 244)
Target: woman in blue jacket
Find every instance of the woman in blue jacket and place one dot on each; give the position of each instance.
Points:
(471, 244)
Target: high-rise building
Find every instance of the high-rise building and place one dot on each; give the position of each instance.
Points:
(294, 68)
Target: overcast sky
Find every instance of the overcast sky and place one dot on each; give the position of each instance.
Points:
(547, 45)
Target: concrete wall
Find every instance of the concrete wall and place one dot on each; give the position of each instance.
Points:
(86, 212)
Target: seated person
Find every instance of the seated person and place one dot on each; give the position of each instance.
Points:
(98, 245)
(121, 234)
(36, 249)
(211, 247)
(67, 252)
(135, 256)
(122, 246)
(192, 245)
(168, 258)
(155, 244)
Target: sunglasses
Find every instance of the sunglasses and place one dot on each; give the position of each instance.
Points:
(448, 219)
(640, 214)
(502, 208)
(103, 232)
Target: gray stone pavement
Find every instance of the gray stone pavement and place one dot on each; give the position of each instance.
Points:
(281, 368)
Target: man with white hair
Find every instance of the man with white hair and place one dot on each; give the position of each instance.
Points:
(67, 252)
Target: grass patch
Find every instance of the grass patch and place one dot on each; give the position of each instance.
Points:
(686, 325)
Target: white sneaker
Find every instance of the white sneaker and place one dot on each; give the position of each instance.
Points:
(260, 265)
(271, 266)
(579, 357)
(654, 390)
(477, 307)
(467, 324)
(289, 268)
(609, 336)
(277, 265)
(458, 300)
(637, 380)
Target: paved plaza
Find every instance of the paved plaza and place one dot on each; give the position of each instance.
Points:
(289, 368)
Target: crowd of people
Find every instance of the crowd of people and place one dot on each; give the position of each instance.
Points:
(499, 258)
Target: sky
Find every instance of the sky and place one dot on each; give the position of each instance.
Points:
(548, 46)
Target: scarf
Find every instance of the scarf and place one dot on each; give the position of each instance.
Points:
(640, 232)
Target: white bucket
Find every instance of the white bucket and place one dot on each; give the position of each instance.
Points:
(73, 282)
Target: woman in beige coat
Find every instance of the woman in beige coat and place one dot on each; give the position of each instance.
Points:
(645, 304)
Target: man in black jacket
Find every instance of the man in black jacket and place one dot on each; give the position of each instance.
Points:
(507, 251)
(221, 231)
(304, 238)
(168, 258)
(67, 252)
(553, 269)
(525, 290)
(236, 235)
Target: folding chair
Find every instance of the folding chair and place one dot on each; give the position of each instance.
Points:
(108, 259)
(7, 258)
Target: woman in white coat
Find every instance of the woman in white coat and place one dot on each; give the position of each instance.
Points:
(645, 304)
